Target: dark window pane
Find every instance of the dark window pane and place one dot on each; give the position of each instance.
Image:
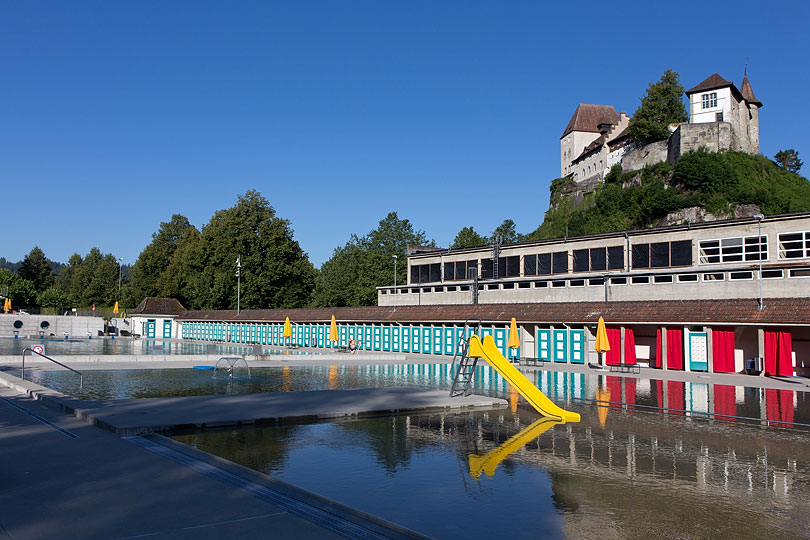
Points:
(415, 273)
(559, 262)
(615, 256)
(501, 268)
(530, 265)
(436, 272)
(486, 268)
(461, 269)
(580, 260)
(449, 271)
(544, 264)
(598, 259)
(641, 256)
(424, 273)
(659, 254)
(472, 269)
(681, 253)
(513, 266)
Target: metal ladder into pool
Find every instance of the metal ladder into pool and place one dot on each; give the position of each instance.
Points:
(464, 372)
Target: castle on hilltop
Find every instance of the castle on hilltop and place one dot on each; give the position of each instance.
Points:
(721, 117)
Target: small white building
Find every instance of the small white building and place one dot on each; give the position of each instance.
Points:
(154, 318)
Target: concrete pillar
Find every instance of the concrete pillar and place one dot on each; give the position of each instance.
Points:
(663, 359)
(761, 349)
(621, 331)
(709, 349)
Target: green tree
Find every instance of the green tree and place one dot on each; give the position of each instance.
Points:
(507, 232)
(660, 107)
(467, 237)
(154, 271)
(276, 273)
(36, 268)
(351, 276)
(20, 290)
(92, 279)
(55, 297)
(788, 160)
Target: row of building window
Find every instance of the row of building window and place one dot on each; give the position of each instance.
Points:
(794, 245)
(710, 100)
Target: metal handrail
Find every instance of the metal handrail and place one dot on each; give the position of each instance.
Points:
(32, 351)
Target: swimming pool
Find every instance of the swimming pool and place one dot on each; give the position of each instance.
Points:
(779, 408)
(130, 346)
(629, 475)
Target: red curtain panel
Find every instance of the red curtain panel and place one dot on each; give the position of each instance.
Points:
(658, 349)
(723, 350)
(614, 355)
(725, 399)
(779, 406)
(778, 353)
(674, 348)
(629, 346)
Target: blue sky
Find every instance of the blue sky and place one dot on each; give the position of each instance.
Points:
(116, 115)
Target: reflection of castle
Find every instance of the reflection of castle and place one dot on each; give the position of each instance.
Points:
(721, 117)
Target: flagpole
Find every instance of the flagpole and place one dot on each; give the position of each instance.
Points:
(238, 284)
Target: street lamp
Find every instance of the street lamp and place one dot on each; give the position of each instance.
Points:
(395, 282)
(759, 218)
(120, 270)
(238, 283)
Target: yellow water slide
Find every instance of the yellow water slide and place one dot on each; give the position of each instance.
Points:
(489, 352)
(489, 462)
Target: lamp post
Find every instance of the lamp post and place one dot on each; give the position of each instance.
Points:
(238, 283)
(759, 218)
(395, 281)
(120, 270)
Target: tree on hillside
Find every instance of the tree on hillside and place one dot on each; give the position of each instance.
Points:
(55, 297)
(661, 106)
(275, 272)
(788, 160)
(92, 279)
(351, 276)
(155, 260)
(467, 237)
(36, 268)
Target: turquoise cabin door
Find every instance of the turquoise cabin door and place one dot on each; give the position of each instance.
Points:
(167, 328)
(321, 335)
(406, 338)
(438, 347)
(150, 328)
(396, 334)
(698, 351)
(577, 346)
(377, 338)
(343, 332)
(560, 346)
(426, 339)
(368, 339)
(416, 339)
(500, 340)
(386, 338)
(449, 339)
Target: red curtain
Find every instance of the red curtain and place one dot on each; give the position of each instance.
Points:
(674, 348)
(725, 398)
(658, 350)
(614, 355)
(778, 353)
(675, 399)
(779, 406)
(723, 350)
(629, 346)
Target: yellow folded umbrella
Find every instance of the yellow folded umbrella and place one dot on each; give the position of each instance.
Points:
(333, 331)
(514, 337)
(115, 307)
(602, 344)
(287, 328)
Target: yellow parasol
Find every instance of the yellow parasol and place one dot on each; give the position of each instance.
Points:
(514, 337)
(7, 305)
(333, 332)
(115, 307)
(287, 328)
(602, 344)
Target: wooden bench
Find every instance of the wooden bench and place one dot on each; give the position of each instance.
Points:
(532, 361)
(342, 349)
(626, 368)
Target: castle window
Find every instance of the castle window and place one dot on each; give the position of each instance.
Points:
(718, 117)
(710, 100)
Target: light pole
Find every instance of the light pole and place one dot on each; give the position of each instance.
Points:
(238, 283)
(395, 282)
(120, 270)
(759, 218)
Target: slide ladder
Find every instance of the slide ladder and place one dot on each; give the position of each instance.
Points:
(465, 370)
(486, 349)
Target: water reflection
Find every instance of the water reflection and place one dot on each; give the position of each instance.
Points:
(769, 407)
(641, 475)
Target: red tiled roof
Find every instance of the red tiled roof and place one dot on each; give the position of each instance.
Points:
(158, 306)
(587, 117)
(748, 92)
(714, 81)
(777, 311)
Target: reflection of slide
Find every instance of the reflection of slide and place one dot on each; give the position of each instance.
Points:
(489, 352)
(489, 462)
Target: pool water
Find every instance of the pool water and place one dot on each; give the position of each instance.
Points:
(630, 475)
(129, 346)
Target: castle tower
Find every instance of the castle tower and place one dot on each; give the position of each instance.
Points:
(753, 110)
